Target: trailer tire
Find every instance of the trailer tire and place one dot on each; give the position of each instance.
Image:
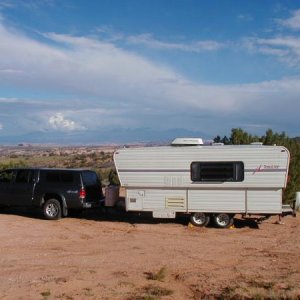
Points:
(52, 209)
(200, 219)
(223, 220)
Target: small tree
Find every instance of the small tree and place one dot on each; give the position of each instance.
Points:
(113, 177)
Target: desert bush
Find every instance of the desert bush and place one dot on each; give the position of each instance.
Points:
(12, 164)
(160, 275)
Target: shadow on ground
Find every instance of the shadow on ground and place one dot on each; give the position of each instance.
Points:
(112, 215)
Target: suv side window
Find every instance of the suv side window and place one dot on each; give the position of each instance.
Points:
(59, 177)
(66, 177)
(6, 176)
(24, 176)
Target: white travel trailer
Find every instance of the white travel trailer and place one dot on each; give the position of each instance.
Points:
(207, 181)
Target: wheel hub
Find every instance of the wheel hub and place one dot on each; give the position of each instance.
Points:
(51, 210)
(223, 219)
(199, 218)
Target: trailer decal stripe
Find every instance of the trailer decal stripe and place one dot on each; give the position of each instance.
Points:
(264, 170)
(187, 171)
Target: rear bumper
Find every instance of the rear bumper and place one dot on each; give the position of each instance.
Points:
(87, 205)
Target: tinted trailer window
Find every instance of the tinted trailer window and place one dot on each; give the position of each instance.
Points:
(217, 171)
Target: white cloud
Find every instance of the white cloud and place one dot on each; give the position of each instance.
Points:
(245, 17)
(59, 122)
(293, 22)
(285, 48)
(87, 67)
(28, 4)
(109, 86)
(11, 71)
(197, 46)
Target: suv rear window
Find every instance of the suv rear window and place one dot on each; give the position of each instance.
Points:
(90, 178)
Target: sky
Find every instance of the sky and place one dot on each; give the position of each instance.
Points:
(78, 71)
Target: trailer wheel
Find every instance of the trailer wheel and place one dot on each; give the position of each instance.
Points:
(52, 209)
(223, 220)
(200, 219)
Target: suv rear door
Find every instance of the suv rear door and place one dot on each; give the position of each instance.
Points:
(92, 186)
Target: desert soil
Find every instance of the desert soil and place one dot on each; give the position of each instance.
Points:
(127, 256)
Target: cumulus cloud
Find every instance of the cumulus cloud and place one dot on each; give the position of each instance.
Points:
(59, 122)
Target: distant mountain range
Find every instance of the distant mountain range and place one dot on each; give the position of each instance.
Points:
(111, 136)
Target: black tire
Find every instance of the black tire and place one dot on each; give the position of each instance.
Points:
(200, 219)
(120, 206)
(52, 209)
(223, 220)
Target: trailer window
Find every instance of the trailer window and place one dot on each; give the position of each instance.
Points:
(217, 171)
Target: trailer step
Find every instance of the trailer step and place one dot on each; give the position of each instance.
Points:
(288, 210)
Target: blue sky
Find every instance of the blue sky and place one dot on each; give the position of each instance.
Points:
(82, 68)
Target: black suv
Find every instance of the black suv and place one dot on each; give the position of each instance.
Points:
(54, 190)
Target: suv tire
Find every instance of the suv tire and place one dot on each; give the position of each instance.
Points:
(52, 209)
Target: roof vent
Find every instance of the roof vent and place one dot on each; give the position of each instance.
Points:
(187, 142)
(257, 143)
(217, 144)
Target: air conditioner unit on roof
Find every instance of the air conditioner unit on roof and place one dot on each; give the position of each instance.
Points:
(187, 142)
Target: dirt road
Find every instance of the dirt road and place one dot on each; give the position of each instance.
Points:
(134, 257)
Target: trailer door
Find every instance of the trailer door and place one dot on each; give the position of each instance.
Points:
(135, 199)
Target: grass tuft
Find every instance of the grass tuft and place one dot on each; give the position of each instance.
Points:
(159, 276)
(46, 294)
(156, 291)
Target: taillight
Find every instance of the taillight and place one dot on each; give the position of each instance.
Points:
(82, 193)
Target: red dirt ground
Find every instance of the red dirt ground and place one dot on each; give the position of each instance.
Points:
(126, 256)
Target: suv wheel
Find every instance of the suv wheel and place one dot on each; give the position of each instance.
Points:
(52, 209)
